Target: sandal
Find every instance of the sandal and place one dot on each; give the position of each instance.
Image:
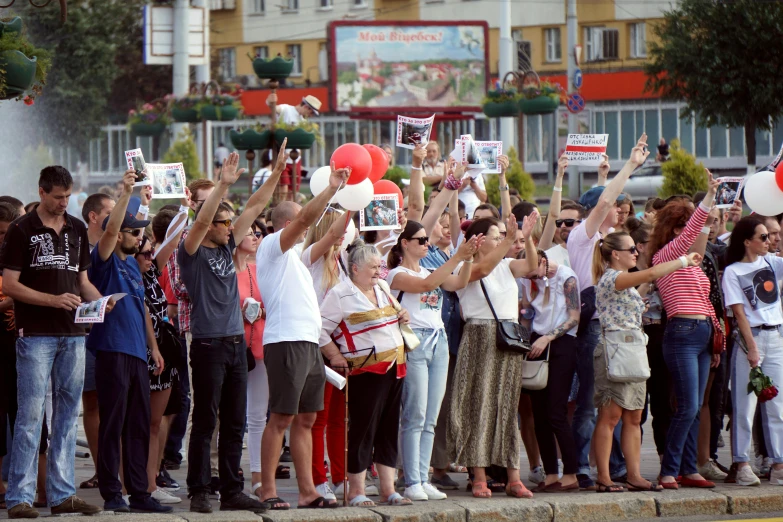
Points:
(91, 483)
(456, 468)
(395, 499)
(277, 504)
(480, 490)
(654, 486)
(611, 488)
(283, 472)
(319, 503)
(521, 491)
(255, 487)
(496, 486)
(361, 501)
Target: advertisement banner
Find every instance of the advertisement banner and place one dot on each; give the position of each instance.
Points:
(408, 66)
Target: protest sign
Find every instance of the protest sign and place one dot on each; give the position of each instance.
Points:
(586, 149)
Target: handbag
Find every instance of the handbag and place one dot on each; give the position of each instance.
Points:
(587, 309)
(409, 339)
(511, 336)
(625, 352)
(535, 374)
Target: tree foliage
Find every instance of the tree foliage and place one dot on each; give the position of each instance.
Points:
(721, 58)
(184, 151)
(517, 178)
(681, 173)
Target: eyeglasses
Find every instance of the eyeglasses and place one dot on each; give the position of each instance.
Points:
(632, 250)
(251, 233)
(136, 232)
(422, 240)
(568, 222)
(147, 255)
(764, 238)
(226, 222)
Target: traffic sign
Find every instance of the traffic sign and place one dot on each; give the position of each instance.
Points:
(576, 103)
(578, 79)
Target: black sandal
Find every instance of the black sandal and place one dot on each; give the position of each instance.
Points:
(277, 501)
(90, 483)
(654, 486)
(613, 488)
(319, 503)
(283, 472)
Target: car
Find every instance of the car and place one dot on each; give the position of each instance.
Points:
(645, 182)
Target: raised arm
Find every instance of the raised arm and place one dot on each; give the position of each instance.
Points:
(335, 232)
(505, 197)
(437, 207)
(416, 285)
(680, 245)
(634, 279)
(110, 234)
(257, 202)
(454, 221)
(700, 245)
(522, 267)
(416, 191)
(545, 243)
(603, 173)
(479, 189)
(615, 187)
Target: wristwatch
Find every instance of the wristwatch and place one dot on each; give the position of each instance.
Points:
(503, 188)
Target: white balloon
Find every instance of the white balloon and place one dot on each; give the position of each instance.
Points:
(350, 235)
(355, 197)
(320, 180)
(763, 195)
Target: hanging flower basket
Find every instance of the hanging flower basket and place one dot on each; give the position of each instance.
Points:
(214, 112)
(151, 119)
(18, 73)
(536, 96)
(278, 68)
(250, 139)
(297, 138)
(185, 115)
(23, 67)
(147, 129)
(13, 26)
(501, 109)
(543, 104)
(217, 106)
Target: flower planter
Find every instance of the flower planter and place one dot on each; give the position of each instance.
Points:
(185, 115)
(219, 113)
(250, 139)
(19, 72)
(147, 129)
(297, 138)
(11, 27)
(501, 109)
(278, 68)
(544, 104)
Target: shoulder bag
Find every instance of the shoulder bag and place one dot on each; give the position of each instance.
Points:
(535, 374)
(409, 339)
(511, 336)
(625, 352)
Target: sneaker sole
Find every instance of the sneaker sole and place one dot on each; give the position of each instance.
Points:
(446, 488)
(748, 484)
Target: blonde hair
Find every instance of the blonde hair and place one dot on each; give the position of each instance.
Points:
(602, 253)
(317, 232)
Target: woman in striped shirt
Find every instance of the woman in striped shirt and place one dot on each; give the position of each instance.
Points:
(687, 346)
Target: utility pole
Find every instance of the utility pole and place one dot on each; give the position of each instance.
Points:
(204, 143)
(505, 65)
(181, 71)
(572, 26)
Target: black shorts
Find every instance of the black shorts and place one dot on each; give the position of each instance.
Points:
(296, 377)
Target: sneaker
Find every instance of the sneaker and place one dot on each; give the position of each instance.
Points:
(117, 504)
(165, 482)
(164, 497)
(720, 441)
(432, 492)
(325, 491)
(338, 490)
(762, 465)
(199, 502)
(776, 477)
(711, 472)
(74, 504)
(746, 477)
(286, 455)
(445, 482)
(23, 510)
(721, 466)
(170, 465)
(242, 502)
(148, 505)
(536, 475)
(415, 492)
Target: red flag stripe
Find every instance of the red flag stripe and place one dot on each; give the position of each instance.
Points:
(584, 148)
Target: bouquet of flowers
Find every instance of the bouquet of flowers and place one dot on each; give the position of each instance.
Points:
(761, 385)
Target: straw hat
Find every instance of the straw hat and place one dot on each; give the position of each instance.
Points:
(312, 102)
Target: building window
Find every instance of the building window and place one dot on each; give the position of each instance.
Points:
(327, 4)
(261, 51)
(227, 63)
(359, 3)
(638, 40)
(552, 37)
(593, 44)
(257, 6)
(290, 6)
(295, 52)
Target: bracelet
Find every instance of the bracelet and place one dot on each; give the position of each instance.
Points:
(416, 168)
(144, 209)
(452, 183)
(684, 261)
(557, 189)
(705, 230)
(469, 262)
(503, 189)
(183, 208)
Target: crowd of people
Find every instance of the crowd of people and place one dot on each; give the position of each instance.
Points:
(468, 334)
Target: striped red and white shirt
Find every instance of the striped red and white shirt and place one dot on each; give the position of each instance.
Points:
(368, 335)
(687, 290)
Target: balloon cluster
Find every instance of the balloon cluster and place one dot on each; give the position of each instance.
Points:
(764, 192)
(368, 165)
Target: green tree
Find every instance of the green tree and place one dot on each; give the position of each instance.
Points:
(184, 151)
(517, 178)
(681, 174)
(719, 58)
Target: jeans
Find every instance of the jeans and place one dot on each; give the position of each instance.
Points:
(219, 367)
(687, 352)
(422, 394)
(179, 426)
(659, 387)
(38, 359)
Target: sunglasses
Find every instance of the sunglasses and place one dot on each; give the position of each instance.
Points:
(147, 255)
(632, 250)
(422, 240)
(764, 237)
(226, 222)
(136, 232)
(568, 222)
(257, 234)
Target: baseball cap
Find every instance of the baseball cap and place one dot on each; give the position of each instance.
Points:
(590, 198)
(130, 221)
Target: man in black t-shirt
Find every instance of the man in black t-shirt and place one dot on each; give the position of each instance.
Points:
(44, 257)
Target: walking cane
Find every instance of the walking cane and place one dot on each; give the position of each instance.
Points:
(345, 442)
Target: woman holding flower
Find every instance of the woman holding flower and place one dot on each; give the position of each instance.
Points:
(751, 289)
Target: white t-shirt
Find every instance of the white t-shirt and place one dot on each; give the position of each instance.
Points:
(559, 254)
(221, 154)
(580, 254)
(469, 197)
(553, 314)
(289, 115)
(502, 290)
(260, 177)
(424, 308)
(316, 269)
(755, 286)
(286, 286)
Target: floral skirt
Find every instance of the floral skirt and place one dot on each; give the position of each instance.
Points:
(483, 429)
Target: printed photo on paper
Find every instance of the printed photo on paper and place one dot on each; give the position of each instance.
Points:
(471, 153)
(728, 191)
(95, 311)
(168, 180)
(412, 131)
(380, 214)
(489, 152)
(135, 160)
(586, 149)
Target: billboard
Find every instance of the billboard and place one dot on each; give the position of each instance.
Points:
(408, 66)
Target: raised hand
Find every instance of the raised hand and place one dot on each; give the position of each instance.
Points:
(503, 163)
(469, 248)
(603, 168)
(281, 158)
(230, 172)
(419, 153)
(145, 194)
(185, 202)
(528, 224)
(128, 179)
(562, 165)
(339, 177)
(640, 152)
(712, 184)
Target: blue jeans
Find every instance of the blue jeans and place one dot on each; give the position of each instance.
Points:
(584, 414)
(422, 394)
(37, 360)
(687, 354)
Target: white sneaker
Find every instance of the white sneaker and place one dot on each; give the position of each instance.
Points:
(338, 490)
(415, 492)
(711, 472)
(745, 477)
(776, 477)
(325, 491)
(432, 492)
(536, 475)
(371, 490)
(165, 497)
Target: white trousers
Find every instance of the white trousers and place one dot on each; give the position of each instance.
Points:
(257, 405)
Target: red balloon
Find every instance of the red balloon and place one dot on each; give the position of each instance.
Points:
(355, 156)
(385, 186)
(779, 175)
(380, 161)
